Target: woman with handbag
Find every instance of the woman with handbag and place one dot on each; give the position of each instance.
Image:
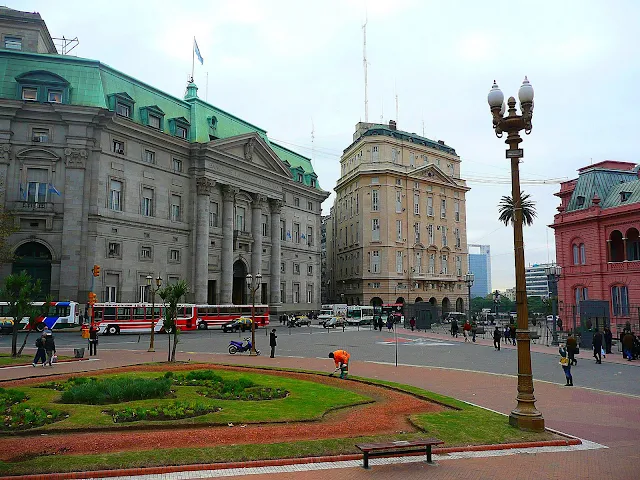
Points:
(566, 365)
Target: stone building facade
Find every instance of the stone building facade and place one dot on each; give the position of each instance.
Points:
(103, 169)
(398, 222)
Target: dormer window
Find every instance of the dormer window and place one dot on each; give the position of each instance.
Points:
(580, 201)
(123, 110)
(181, 132)
(300, 178)
(54, 96)
(121, 103)
(624, 196)
(30, 94)
(42, 86)
(154, 121)
(179, 127)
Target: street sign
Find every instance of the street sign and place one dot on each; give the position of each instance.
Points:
(516, 153)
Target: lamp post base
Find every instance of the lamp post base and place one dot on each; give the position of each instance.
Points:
(151, 350)
(534, 423)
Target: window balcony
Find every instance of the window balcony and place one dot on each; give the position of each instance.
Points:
(25, 206)
(626, 266)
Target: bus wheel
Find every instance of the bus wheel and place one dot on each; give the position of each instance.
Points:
(40, 326)
(113, 330)
(202, 326)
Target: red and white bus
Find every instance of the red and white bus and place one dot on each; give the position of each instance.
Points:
(115, 318)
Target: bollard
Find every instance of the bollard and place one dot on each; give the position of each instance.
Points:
(138, 338)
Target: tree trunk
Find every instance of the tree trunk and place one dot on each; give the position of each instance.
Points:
(14, 338)
(175, 343)
(24, 343)
(169, 352)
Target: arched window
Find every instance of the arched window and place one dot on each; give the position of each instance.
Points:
(583, 254)
(633, 245)
(576, 254)
(579, 253)
(616, 247)
(620, 300)
(581, 293)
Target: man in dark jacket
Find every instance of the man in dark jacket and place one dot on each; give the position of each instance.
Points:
(572, 346)
(272, 342)
(597, 346)
(627, 346)
(608, 340)
(93, 340)
(49, 347)
(496, 338)
(40, 352)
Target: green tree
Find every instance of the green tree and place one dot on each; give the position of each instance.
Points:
(506, 209)
(19, 292)
(171, 295)
(7, 227)
(36, 313)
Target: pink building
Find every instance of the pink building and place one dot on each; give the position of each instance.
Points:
(597, 242)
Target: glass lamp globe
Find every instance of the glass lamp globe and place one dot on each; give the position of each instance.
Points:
(495, 97)
(525, 94)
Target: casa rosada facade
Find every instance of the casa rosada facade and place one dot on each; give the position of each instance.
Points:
(597, 243)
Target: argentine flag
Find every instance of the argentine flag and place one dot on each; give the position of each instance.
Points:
(53, 189)
(197, 50)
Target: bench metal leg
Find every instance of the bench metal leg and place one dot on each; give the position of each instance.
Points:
(429, 454)
(365, 461)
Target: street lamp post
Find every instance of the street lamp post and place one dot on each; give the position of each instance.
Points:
(469, 278)
(525, 415)
(553, 275)
(153, 308)
(496, 302)
(253, 283)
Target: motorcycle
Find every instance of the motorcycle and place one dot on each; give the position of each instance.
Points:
(235, 346)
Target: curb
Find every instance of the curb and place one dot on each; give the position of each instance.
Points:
(280, 462)
(66, 360)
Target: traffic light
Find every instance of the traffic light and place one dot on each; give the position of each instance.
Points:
(96, 270)
(92, 298)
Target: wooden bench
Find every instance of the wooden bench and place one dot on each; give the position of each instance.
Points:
(396, 448)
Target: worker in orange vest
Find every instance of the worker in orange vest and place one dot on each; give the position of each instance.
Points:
(341, 359)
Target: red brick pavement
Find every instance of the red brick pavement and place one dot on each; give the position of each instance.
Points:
(609, 419)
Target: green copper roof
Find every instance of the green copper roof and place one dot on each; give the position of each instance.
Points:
(597, 181)
(614, 199)
(93, 84)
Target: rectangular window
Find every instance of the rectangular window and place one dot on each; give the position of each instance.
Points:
(375, 180)
(30, 94)
(154, 121)
(375, 261)
(113, 249)
(416, 231)
(443, 208)
(283, 292)
(13, 43)
(145, 253)
(309, 293)
(149, 156)
(399, 268)
(176, 208)
(398, 182)
(300, 178)
(111, 293)
(310, 270)
(457, 235)
(375, 204)
(458, 266)
(357, 203)
(430, 234)
(174, 255)
(213, 214)
(296, 268)
(456, 210)
(375, 285)
(54, 96)
(418, 265)
(296, 202)
(296, 293)
(430, 206)
(240, 216)
(620, 300)
(147, 202)
(310, 206)
(445, 264)
(40, 135)
(37, 181)
(357, 232)
(432, 263)
(416, 204)
(283, 267)
(181, 132)
(583, 254)
(375, 154)
(310, 235)
(118, 147)
(265, 225)
(123, 110)
(412, 159)
(296, 232)
(398, 201)
(115, 195)
(394, 155)
(375, 230)
(283, 231)
(398, 230)
(445, 242)
(576, 254)
(177, 165)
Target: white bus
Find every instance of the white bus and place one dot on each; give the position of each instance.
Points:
(332, 310)
(57, 314)
(360, 315)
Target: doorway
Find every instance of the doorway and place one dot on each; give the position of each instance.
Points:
(239, 295)
(35, 259)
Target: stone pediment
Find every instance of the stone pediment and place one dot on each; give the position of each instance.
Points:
(251, 148)
(434, 173)
(35, 153)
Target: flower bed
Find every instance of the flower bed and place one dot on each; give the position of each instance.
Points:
(214, 386)
(91, 391)
(16, 415)
(172, 411)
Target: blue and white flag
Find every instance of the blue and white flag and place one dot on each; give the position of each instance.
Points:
(23, 193)
(197, 50)
(53, 189)
(288, 234)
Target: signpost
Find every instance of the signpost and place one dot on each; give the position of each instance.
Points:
(515, 153)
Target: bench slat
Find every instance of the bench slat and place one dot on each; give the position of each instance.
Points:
(400, 444)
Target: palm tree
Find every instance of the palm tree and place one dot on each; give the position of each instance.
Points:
(506, 209)
(171, 295)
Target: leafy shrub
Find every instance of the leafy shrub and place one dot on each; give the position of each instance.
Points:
(23, 417)
(116, 390)
(172, 411)
(72, 381)
(214, 386)
(9, 397)
(196, 377)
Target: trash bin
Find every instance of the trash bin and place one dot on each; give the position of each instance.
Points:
(78, 352)
(85, 331)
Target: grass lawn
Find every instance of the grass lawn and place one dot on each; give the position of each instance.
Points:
(7, 360)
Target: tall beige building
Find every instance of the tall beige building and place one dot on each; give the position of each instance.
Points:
(398, 224)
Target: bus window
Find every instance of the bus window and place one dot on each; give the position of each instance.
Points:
(97, 313)
(138, 313)
(109, 313)
(60, 311)
(124, 313)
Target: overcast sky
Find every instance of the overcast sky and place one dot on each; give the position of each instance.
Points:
(279, 64)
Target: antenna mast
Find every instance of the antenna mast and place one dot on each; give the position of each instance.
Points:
(364, 63)
(313, 146)
(396, 104)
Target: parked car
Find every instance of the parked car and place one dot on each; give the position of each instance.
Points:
(334, 322)
(302, 320)
(242, 323)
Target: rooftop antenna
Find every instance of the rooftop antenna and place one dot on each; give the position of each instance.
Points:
(364, 64)
(206, 92)
(396, 103)
(66, 44)
(313, 137)
(423, 124)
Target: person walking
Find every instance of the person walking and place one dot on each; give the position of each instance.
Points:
(454, 328)
(566, 366)
(50, 347)
(512, 332)
(40, 352)
(272, 342)
(597, 346)
(466, 330)
(507, 334)
(627, 346)
(412, 322)
(608, 340)
(474, 330)
(572, 346)
(93, 340)
(496, 338)
(341, 359)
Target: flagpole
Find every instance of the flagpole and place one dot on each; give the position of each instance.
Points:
(193, 57)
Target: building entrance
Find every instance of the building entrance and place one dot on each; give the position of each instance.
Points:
(35, 259)
(239, 295)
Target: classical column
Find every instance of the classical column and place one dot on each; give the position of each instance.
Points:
(73, 193)
(256, 232)
(204, 186)
(5, 151)
(228, 197)
(274, 274)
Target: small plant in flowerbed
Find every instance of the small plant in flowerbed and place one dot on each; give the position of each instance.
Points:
(214, 386)
(19, 416)
(94, 391)
(172, 411)
(71, 382)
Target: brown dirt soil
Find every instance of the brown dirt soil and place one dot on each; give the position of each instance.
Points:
(387, 415)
